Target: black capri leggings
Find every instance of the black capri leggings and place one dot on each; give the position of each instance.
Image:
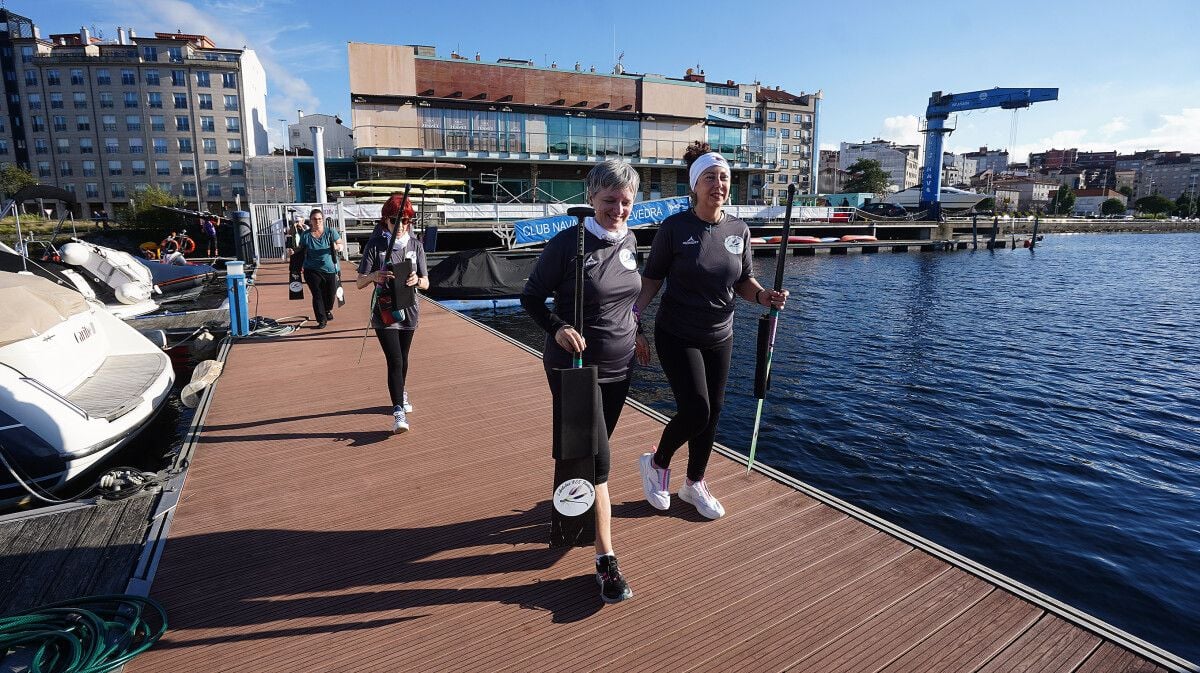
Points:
(395, 344)
(697, 375)
(612, 398)
(323, 287)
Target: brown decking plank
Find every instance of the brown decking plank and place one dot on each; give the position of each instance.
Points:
(1048, 646)
(1112, 657)
(973, 638)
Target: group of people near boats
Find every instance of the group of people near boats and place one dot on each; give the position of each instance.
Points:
(703, 258)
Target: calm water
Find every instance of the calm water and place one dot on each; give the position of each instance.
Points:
(1038, 412)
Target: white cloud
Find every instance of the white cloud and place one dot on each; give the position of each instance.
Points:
(903, 130)
(1117, 125)
(264, 33)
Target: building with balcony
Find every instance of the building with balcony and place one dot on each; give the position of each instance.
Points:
(105, 120)
(985, 159)
(529, 133)
(1170, 176)
(898, 161)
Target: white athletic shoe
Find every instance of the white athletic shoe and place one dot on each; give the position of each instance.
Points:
(400, 422)
(407, 404)
(697, 494)
(655, 482)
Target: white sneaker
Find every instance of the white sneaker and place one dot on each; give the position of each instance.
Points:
(655, 482)
(697, 494)
(407, 404)
(400, 422)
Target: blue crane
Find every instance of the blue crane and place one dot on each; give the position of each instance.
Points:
(940, 107)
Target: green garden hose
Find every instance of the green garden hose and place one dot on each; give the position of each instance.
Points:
(83, 635)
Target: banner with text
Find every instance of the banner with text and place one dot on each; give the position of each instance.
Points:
(542, 229)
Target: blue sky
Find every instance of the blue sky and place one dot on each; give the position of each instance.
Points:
(1128, 72)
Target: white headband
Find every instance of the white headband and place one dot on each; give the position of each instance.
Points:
(703, 163)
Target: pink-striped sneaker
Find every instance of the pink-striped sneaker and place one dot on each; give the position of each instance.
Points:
(697, 494)
(655, 482)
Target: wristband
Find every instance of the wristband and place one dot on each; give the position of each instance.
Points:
(758, 296)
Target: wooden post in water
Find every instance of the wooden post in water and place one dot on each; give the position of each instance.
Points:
(995, 226)
(975, 231)
(1036, 222)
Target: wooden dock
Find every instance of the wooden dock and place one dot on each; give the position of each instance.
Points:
(309, 538)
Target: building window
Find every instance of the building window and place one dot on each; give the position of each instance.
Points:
(212, 167)
(3, 146)
(185, 145)
(111, 146)
(150, 53)
(31, 78)
(114, 167)
(40, 146)
(103, 77)
(162, 167)
(207, 125)
(229, 80)
(771, 132)
(44, 169)
(214, 189)
(80, 100)
(785, 133)
(748, 97)
(182, 123)
(181, 101)
(235, 146)
(60, 123)
(770, 116)
(131, 100)
(237, 168)
(202, 78)
(186, 167)
(117, 189)
(211, 57)
(133, 123)
(128, 77)
(52, 78)
(160, 145)
(90, 191)
(233, 124)
(108, 122)
(204, 101)
(178, 78)
(188, 189)
(237, 189)
(785, 118)
(209, 145)
(64, 168)
(231, 102)
(35, 101)
(89, 169)
(175, 54)
(152, 78)
(136, 146)
(26, 54)
(37, 123)
(106, 100)
(156, 123)
(83, 123)
(56, 101)
(154, 100)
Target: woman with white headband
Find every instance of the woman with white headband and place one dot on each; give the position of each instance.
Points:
(703, 255)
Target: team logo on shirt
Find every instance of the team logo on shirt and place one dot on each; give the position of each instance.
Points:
(627, 259)
(691, 241)
(589, 262)
(734, 244)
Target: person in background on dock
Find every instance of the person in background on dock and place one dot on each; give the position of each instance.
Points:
(396, 338)
(703, 255)
(320, 246)
(609, 330)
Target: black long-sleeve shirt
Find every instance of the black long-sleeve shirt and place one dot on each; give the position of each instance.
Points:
(611, 286)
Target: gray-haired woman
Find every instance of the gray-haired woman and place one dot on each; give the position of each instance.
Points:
(609, 325)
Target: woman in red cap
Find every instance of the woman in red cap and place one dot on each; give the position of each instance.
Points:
(394, 329)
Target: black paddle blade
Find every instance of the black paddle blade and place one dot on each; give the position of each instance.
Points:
(295, 287)
(762, 378)
(573, 511)
(404, 296)
(580, 212)
(579, 430)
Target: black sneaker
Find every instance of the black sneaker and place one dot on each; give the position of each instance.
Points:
(329, 316)
(613, 588)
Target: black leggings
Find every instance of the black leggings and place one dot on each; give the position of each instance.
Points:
(323, 287)
(697, 375)
(395, 344)
(612, 398)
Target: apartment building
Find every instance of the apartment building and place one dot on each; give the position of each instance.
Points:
(1171, 176)
(830, 178)
(530, 133)
(898, 161)
(105, 119)
(338, 140)
(985, 159)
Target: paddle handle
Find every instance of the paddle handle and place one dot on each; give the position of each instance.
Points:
(581, 213)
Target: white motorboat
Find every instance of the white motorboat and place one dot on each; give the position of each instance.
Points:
(951, 198)
(128, 281)
(76, 383)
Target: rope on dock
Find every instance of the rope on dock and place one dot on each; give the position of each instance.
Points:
(82, 635)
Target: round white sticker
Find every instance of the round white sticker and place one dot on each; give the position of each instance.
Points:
(574, 497)
(627, 259)
(295, 286)
(734, 244)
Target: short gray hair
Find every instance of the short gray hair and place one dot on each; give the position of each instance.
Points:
(612, 173)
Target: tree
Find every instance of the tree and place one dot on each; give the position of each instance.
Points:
(1156, 204)
(866, 176)
(1112, 207)
(1064, 200)
(145, 212)
(13, 178)
(1127, 191)
(1183, 205)
(986, 205)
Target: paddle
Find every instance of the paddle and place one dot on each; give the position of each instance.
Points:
(579, 430)
(767, 323)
